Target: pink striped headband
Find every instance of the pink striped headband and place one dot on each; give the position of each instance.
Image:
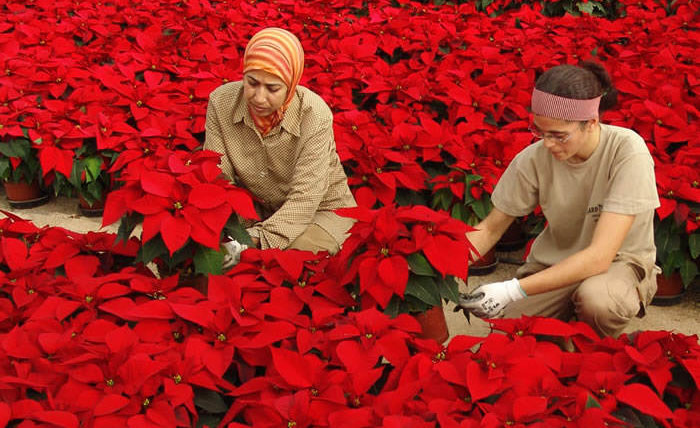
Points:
(554, 106)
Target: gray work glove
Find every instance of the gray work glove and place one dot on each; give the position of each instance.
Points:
(489, 300)
(232, 253)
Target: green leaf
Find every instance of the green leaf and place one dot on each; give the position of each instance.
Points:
(209, 400)
(689, 270)
(4, 168)
(393, 307)
(208, 260)
(152, 249)
(93, 168)
(18, 148)
(693, 244)
(206, 420)
(673, 261)
(93, 192)
(235, 230)
(586, 7)
(460, 212)
(424, 289)
(666, 240)
(591, 402)
(127, 225)
(482, 207)
(74, 178)
(449, 289)
(419, 265)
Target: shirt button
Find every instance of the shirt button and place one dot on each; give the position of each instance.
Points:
(263, 173)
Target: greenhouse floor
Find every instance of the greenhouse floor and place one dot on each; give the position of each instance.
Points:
(683, 317)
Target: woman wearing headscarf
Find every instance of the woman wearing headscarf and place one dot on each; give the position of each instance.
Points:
(277, 141)
(596, 186)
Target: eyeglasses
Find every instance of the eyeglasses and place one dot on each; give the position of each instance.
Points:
(560, 139)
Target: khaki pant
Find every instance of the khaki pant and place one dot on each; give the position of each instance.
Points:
(607, 302)
(315, 239)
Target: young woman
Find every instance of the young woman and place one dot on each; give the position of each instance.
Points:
(596, 186)
(277, 141)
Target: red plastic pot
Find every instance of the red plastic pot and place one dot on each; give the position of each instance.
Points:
(514, 237)
(669, 290)
(24, 195)
(433, 324)
(95, 210)
(485, 265)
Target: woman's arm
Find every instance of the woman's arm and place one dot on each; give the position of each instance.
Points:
(214, 140)
(490, 230)
(489, 300)
(608, 236)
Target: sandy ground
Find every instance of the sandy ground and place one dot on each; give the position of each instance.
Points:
(683, 317)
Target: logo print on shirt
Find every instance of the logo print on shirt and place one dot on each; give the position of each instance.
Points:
(595, 211)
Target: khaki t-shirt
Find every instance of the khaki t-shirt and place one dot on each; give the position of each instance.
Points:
(294, 170)
(618, 177)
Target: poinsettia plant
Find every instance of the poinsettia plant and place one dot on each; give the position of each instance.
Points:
(405, 259)
(90, 177)
(677, 251)
(19, 162)
(185, 208)
(461, 193)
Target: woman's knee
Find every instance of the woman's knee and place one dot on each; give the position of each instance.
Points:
(606, 302)
(315, 239)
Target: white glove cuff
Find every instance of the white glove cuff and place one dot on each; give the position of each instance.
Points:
(514, 290)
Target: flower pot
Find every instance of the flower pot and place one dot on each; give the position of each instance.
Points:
(514, 237)
(85, 209)
(485, 265)
(25, 195)
(669, 290)
(433, 324)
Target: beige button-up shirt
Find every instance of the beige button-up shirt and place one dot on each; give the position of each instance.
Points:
(294, 170)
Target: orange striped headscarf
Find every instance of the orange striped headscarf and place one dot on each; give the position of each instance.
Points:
(280, 53)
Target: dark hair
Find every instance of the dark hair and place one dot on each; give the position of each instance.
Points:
(581, 82)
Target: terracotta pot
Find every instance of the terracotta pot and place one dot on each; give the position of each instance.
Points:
(514, 237)
(24, 195)
(485, 265)
(433, 324)
(669, 290)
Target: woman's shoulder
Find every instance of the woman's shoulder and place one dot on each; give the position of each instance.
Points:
(623, 143)
(625, 138)
(312, 105)
(228, 91)
(535, 152)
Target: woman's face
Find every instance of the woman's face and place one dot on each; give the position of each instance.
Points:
(566, 140)
(264, 92)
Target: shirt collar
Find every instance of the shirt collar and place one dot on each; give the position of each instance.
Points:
(290, 121)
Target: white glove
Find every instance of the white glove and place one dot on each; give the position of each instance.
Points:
(232, 253)
(489, 300)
